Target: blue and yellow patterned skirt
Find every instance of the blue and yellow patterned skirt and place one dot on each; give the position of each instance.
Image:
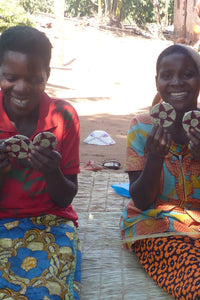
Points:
(40, 258)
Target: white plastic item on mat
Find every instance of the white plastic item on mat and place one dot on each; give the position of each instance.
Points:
(99, 137)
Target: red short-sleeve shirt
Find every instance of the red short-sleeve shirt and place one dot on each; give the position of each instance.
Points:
(25, 192)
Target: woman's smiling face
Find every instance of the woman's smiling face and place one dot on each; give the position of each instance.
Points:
(22, 80)
(178, 81)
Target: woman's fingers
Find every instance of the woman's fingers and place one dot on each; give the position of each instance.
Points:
(158, 141)
(44, 160)
(4, 156)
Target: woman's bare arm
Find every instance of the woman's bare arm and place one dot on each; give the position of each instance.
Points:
(145, 184)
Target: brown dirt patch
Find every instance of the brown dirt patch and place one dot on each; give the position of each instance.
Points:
(106, 75)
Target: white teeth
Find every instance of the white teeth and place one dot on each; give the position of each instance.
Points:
(179, 94)
(20, 102)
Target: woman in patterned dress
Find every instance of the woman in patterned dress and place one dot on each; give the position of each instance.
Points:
(161, 223)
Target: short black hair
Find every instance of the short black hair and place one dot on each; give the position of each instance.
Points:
(177, 48)
(27, 40)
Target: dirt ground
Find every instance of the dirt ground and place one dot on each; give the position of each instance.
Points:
(106, 75)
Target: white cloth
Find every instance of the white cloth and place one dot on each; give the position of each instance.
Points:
(99, 137)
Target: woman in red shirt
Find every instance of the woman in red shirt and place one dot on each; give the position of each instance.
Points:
(37, 222)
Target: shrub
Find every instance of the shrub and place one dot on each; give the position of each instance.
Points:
(32, 6)
(11, 14)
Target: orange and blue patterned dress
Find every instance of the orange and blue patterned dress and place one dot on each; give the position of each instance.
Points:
(166, 236)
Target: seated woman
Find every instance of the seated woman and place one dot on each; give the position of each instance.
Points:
(161, 223)
(40, 256)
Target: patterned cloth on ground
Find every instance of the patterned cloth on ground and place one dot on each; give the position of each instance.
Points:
(40, 259)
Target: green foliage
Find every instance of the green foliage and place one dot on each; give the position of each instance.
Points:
(31, 6)
(133, 11)
(74, 8)
(138, 11)
(142, 11)
(11, 14)
(171, 11)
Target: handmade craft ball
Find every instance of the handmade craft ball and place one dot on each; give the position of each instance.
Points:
(19, 148)
(45, 139)
(26, 140)
(162, 114)
(191, 119)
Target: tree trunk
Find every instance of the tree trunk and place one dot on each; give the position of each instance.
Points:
(166, 21)
(113, 9)
(99, 8)
(107, 7)
(59, 8)
(158, 19)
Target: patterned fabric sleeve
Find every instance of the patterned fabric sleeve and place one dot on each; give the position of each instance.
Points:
(136, 140)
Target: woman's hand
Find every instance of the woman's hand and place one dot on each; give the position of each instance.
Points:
(194, 143)
(144, 187)
(158, 141)
(44, 160)
(62, 189)
(4, 157)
